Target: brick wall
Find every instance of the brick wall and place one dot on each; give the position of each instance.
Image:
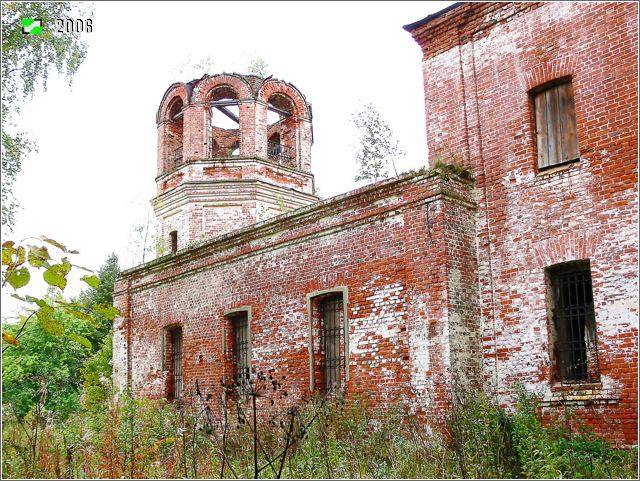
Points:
(385, 245)
(204, 193)
(480, 62)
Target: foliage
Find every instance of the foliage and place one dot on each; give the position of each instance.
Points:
(27, 62)
(43, 361)
(481, 449)
(101, 294)
(377, 148)
(32, 256)
(258, 66)
(97, 373)
(445, 169)
(144, 244)
(191, 68)
(154, 439)
(560, 450)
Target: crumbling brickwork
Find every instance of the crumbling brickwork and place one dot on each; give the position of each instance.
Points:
(212, 180)
(385, 245)
(437, 282)
(481, 63)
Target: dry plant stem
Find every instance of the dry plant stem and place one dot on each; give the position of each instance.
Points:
(256, 440)
(256, 472)
(221, 449)
(286, 447)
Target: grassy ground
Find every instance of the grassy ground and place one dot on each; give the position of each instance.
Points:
(338, 439)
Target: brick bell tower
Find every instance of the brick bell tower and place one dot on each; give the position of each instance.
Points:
(233, 150)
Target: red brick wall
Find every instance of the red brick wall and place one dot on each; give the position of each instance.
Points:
(207, 194)
(480, 62)
(225, 141)
(386, 244)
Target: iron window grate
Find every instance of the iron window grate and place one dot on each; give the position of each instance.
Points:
(176, 363)
(574, 318)
(332, 341)
(241, 351)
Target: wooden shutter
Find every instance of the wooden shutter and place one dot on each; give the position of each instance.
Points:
(557, 141)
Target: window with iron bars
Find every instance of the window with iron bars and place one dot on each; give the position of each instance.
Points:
(574, 326)
(281, 153)
(241, 351)
(173, 356)
(332, 342)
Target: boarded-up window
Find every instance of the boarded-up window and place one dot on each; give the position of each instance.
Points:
(557, 141)
(574, 326)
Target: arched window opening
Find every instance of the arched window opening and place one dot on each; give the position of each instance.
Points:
(174, 135)
(281, 130)
(224, 134)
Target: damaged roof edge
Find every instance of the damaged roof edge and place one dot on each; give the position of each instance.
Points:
(412, 26)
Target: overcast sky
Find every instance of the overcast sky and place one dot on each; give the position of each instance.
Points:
(93, 176)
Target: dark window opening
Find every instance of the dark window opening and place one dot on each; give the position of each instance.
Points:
(241, 350)
(555, 122)
(174, 133)
(573, 314)
(173, 239)
(275, 147)
(173, 356)
(332, 341)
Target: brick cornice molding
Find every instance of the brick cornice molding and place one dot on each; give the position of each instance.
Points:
(437, 188)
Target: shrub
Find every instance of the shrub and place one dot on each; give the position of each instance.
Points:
(134, 438)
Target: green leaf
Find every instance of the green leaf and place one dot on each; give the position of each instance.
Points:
(21, 255)
(40, 302)
(81, 315)
(77, 313)
(19, 278)
(48, 322)
(7, 253)
(56, 275)
(107, 311)
(38, 256)
(80, 340)
(93, 281)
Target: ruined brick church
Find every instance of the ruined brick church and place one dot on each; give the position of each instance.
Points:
(524, 271)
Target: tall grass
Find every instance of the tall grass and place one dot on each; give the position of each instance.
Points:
(135, 438)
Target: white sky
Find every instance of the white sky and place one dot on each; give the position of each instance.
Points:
(93, 176)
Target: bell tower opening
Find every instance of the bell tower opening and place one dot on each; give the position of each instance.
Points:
(224, 132)
(233, 150)
(282, 130)
(175, 134)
